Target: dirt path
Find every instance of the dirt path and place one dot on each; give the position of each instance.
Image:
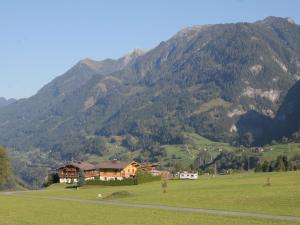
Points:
(169, 208)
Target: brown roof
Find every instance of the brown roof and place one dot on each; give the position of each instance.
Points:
(108, 164)
(80, 165)
(149, 164)
(113, 164)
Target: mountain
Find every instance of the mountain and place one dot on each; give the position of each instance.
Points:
(205, 79)
(287, 120)
(5, 102)
(264, 129)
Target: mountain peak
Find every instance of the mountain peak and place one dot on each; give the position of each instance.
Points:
(129, 56)
(5, 102)
(93, 64)
(135, 52)
(190, 31)
(275, 20)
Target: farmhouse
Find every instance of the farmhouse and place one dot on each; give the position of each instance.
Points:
(116, 170)
(69, 173)
(152, 168)
(149, 166)
(103, 170)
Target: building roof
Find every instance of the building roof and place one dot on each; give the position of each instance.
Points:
(80, 165)
(144, 165)
(108, 164)
(113, 164)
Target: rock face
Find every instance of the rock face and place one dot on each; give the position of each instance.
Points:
(206, 79)
(287, 120)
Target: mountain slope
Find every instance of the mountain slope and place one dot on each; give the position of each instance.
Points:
(6, 102)
(203, 79)
(285, 123)
(32, 119)
(287, 120)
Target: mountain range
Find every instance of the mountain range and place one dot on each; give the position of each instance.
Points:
(6, 102)
(221, 81)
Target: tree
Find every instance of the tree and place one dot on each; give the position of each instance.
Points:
(164, 186)
(280, 164)
(273, 142)
(258, 168)
(51, 179)
(95, 145)
(4, 166)
(265, 166)
(247, 139)
(130, 142)
(81, 178)
(285, 140)
(296, 136)
(202, 159)
(178, 166)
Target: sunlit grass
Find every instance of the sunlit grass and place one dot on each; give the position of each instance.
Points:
(240, 192)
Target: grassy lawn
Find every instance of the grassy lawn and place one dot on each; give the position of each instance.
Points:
(289, 150)
(240, 192)
(16, 210)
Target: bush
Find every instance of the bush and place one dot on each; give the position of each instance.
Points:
(141, 177)
(51, 179)
(144, 177)
(119, 194)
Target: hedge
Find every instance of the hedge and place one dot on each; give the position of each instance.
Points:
(124, 182)
(141, 177)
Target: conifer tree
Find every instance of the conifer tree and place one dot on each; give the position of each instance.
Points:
(81, 178)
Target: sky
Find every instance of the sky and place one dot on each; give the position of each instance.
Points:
(40, 40)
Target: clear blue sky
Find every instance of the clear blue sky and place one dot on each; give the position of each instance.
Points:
(40, 40)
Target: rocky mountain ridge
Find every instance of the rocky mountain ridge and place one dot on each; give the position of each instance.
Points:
(204, 79)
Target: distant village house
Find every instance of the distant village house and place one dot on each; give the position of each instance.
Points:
(152, 168)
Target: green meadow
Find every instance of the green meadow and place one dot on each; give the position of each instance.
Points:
(244, 192)
(16, 210)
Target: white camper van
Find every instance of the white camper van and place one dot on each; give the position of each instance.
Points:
(188, 176)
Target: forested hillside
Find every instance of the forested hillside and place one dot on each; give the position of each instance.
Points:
(202, 80)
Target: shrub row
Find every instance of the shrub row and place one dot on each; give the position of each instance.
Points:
(124, 182)
(141, 177)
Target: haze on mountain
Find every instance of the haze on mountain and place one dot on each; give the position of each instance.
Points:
(5, 102)
(204, 79)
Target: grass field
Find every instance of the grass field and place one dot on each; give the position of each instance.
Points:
(24, 211)
(290, 150)
(240, 192)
